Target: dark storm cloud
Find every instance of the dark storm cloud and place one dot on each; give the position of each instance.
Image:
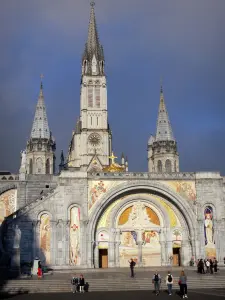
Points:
(143, 40)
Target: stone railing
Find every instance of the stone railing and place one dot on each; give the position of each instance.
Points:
(9, 177)
(31, 205)
(143, 175)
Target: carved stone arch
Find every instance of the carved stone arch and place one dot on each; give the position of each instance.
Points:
(47, 166)
(159, 166)
(70, 207)
(43, 212)
(7, 188)
(153, 204)
(203, 207)
(168, 166)
(179, 202)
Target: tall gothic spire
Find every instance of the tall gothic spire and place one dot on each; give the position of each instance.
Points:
(164, 130)
(40, 128)
(93, 52)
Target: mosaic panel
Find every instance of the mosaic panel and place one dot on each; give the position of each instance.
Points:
(8, 201)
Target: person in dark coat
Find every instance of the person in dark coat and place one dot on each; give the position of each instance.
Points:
(215, 265)
(132, 265)
(81, 283)
(211, 266)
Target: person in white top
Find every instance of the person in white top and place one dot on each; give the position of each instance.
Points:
(169, 282)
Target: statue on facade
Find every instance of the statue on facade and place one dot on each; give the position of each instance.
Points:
(23, 161)
(209, 229)
(17, 237)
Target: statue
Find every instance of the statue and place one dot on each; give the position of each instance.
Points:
(23, 160)
(17, 237)
(208, 229)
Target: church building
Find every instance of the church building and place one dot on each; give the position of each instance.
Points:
(95, 213)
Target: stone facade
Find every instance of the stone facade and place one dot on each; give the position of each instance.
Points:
(95, 213)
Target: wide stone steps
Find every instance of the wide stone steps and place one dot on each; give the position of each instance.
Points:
(107, 284)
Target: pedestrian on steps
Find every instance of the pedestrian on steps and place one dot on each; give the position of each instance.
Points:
(183, 285)
(132, 265)
(169, 282)
(156, 280)
(81, 283)
(74, 284)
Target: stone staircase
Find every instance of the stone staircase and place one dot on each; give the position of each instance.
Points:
(47, 285)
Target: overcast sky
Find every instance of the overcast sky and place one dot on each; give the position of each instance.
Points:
(144, 40)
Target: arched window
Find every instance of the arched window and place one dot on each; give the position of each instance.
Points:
(159, 166)
(175, 166)
(168, 166)
(97, 96)
(31, 166)
(47, 166)
(90, 96)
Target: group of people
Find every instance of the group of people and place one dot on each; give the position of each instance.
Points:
(205, 266)
(182, 282)
(157, 280)
(78, 284)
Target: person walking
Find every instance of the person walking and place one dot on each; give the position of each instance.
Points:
(39, 272)
(215, 265)
(74, 284)
(169, 282)
(211, 266)
(183, 284)
(132, 265)
(81, 283)
(207, 266)
(156, 280)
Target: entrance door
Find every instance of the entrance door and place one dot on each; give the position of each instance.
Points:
(103, 258)
(176, 256)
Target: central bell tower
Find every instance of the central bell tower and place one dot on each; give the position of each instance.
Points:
(92, 135)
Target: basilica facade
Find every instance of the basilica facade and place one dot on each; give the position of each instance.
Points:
(95, 213)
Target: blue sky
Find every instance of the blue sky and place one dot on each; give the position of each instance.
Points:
(144, 40)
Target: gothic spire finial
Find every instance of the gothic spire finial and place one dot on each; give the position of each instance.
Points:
(164, 130)
(92, 3)
(161, 85)
(40, 128)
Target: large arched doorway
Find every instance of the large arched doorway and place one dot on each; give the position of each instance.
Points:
(141, 225)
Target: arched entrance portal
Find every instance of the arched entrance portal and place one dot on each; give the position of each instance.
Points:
(143, 226)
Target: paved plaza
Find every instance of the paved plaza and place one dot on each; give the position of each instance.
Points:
(144, 295)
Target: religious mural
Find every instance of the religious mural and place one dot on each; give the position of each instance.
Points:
(128, 247)
(137, 217)
(210, 248)
(97, 189)
(103, 239)
(151, 249)
(176, 238)
(45, 238)
(75, 236)
(185, 188)
(7, 203)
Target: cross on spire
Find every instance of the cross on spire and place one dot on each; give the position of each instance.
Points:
(41, 76)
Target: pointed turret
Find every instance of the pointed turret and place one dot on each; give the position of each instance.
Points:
(40, 128)
(93, 56)
(164, 130)
(40, 157)
(163, 156)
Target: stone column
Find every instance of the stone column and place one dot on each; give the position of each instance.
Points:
(96, 255)
(169, 253)
(67, 243)
(83, 248)
(185, 253)
(34, 244)
(54, 245)
(117, 249)
(140, 243)
(163, 253)
(38, 244)
(90, 254)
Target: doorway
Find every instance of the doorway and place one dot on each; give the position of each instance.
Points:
(103, 258)
(176, 256)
